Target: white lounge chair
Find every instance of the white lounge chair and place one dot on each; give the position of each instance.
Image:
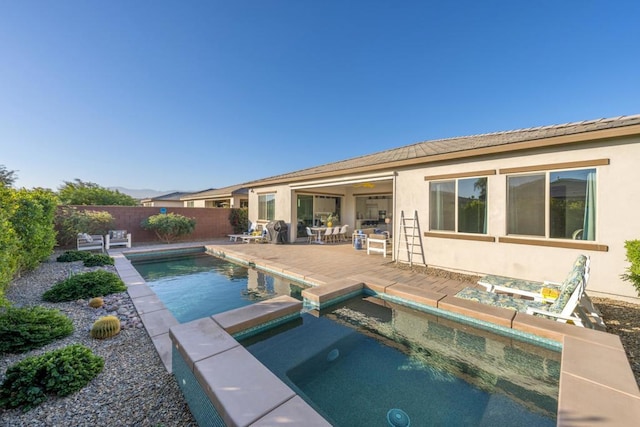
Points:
(89, 242)
(118, 238)
(567, 307)
(538, 291)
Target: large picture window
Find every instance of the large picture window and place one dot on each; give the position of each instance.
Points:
(557, 204)
(267, 207)
(458, 205)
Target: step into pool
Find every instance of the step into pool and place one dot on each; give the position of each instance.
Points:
(369, 362)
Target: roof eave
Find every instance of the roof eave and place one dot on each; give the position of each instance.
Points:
(590, 136)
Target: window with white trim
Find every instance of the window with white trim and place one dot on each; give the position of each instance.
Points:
(267, 207)
(458, 205)
(553, 204)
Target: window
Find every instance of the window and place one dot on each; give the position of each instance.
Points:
(558, 204)
(190, 203)
(267, 207)
(458, 205)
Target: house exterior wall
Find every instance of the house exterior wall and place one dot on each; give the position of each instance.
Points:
(284, 206)
(616, 217)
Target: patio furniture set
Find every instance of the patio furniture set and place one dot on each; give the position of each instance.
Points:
(92, 242)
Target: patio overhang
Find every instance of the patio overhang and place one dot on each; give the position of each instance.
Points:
(344, 180)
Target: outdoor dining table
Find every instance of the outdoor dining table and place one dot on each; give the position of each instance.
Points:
(319, 231)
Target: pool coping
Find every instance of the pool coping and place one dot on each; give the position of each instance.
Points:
(590, 392)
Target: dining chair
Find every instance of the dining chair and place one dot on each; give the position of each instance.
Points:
(328, 235)
(335, 235)
(310, 235)
(343, 233)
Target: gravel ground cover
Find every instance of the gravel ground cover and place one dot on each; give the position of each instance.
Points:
(134, 388)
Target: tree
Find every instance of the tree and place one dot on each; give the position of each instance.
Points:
(89, 193)
(7, 177)
(169, 227)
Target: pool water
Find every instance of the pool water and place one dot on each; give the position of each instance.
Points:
(367, 362)
(199, 285)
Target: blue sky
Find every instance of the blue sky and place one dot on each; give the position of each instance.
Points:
(171, 95)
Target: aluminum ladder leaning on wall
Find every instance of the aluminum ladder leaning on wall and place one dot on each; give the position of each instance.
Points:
(410, 233)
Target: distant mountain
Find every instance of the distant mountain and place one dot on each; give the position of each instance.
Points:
(141, 194)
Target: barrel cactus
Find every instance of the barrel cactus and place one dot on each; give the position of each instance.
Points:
(96, 302)
(105, 327)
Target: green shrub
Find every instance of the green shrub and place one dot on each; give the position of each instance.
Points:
(71, 256)
(23, 329)
(97, 260)
(169, 227)
(239, 220)
(633, 256)
(85, 285)
(90, 260)
(8, 246)
(60, 372)
(27, 235)
(70, 221)
(32, 220)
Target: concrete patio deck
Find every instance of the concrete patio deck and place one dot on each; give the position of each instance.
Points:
(597, 386)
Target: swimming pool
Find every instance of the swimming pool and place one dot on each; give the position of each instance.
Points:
(197, 285)
(370, 362)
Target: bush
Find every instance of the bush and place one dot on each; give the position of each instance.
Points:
(633, 256)
(97, 260)
(59, 372)
(71, 256)
(85, 285)
(23, 329)
(90, 260)
(169, 227)
(70, 221)
(27, 235)
(239, 220)
(32, 220)
(8, 247)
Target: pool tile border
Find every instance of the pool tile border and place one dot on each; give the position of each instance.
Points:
(587, 396)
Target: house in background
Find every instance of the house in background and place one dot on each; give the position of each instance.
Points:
(521, 203)
(165, 200)
(234, 196)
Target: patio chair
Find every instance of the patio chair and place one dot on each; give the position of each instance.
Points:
(565, 308)
(118, 238)
(342, 235)
(89, 242)
(310, 236)
(538, 291)
(335, 234)
(328, 235)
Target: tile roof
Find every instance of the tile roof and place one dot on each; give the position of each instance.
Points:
(217, 192)
(427, 149)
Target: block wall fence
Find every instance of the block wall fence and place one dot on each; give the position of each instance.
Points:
(211, 223)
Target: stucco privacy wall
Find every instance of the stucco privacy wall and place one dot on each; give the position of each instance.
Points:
(210, 223)
(618, 206)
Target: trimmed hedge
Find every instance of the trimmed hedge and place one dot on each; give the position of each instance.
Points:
(85, 285)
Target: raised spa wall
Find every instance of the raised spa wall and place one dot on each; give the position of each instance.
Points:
(225, 385)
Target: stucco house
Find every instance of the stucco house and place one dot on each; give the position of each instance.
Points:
(522, 203)
(234, 196)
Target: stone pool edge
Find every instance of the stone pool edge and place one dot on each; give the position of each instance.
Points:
(597, 385)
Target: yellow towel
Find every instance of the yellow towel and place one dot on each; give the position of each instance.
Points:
(549, 293)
